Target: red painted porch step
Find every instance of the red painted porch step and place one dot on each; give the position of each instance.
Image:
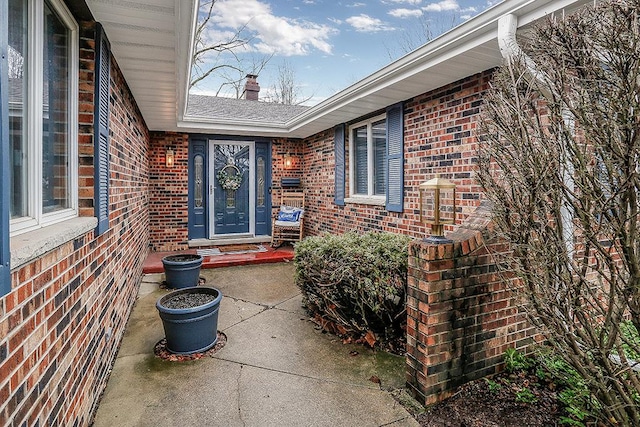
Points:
(153, 263)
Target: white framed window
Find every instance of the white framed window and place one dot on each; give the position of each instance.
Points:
(43, 113)
(368, 161)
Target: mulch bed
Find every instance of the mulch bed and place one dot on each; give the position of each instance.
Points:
(492, 403)
(160, 350)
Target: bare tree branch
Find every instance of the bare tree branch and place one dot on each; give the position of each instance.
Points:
(225, 61)
(559, 159)
(286, 90)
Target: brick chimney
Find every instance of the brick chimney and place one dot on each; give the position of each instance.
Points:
(251, 88)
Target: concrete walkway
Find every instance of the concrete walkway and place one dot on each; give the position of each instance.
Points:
(276, 369)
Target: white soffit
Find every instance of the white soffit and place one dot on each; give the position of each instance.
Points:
(151, 41)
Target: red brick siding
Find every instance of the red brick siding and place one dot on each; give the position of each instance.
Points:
(279, 149)
(61, 324)
(170, 192)
(462, 314)
(439, 137)
(168, 206)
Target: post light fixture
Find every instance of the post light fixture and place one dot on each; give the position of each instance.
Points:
(289, 161)
(168, 158)
(437, 207)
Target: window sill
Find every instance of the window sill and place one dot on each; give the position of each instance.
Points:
(29, 246)
(367, 200)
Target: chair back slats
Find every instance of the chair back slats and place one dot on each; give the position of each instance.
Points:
(295, 200)
(280, 232)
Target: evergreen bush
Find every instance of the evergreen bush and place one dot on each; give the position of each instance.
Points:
(355, 284)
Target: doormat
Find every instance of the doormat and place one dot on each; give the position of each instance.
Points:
(232, 250)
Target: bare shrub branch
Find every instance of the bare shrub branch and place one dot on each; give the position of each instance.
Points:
(559, 160)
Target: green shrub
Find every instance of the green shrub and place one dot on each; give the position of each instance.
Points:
(630, 340)
(525, 395)
(573, 393)
(515, 361)
(493, 386)
(356, 281)
(577, 401)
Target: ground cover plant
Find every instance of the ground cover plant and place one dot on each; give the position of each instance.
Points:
(537, 390)
(559, 155)
(355, 285)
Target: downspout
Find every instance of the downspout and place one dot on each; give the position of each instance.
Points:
(510, 50)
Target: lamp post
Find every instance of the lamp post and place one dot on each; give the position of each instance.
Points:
(437, 207)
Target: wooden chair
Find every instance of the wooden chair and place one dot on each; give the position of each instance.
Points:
(286, 226)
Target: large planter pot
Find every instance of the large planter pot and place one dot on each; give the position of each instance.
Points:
(182, 271)
(192, 327)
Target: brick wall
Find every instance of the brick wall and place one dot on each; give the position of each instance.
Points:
(169, 192)
(61, 324)
(279, 149)
(462, 313)
(439, 138)
(169, 189)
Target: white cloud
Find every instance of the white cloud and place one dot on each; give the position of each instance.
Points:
(442, 6)
(405, 13)
(414, 2)
(350, 58)
(357, 4)
(271, 34)
(366, 24)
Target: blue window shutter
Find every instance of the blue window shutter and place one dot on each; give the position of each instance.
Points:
(338, 141)
(5, 257)
(395, 158)
(101, 129)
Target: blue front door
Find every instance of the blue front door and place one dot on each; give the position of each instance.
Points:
(232, 177)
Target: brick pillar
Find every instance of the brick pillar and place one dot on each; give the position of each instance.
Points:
(462, 314)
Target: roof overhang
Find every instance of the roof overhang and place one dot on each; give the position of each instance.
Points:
(152, 44)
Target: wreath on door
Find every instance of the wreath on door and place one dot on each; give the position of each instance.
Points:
(229, 181)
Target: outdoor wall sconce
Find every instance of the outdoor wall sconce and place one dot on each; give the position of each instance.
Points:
(168, 158)
(437, 207)
(289, 161)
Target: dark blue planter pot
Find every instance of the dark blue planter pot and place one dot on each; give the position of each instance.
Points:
(182, 271)
(190, 330)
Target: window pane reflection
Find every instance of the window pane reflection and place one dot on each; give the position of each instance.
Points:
(261, 173)
(379, 137)
(55, 153)
(198, 166)
(361, 169)
(17, 56)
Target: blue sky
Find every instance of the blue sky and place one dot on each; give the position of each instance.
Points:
(327, 44)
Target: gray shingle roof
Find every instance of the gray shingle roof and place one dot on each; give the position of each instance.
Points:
(213, 107)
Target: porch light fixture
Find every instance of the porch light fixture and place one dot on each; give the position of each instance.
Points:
(168, 158)
(437, 207)
(289, 161)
